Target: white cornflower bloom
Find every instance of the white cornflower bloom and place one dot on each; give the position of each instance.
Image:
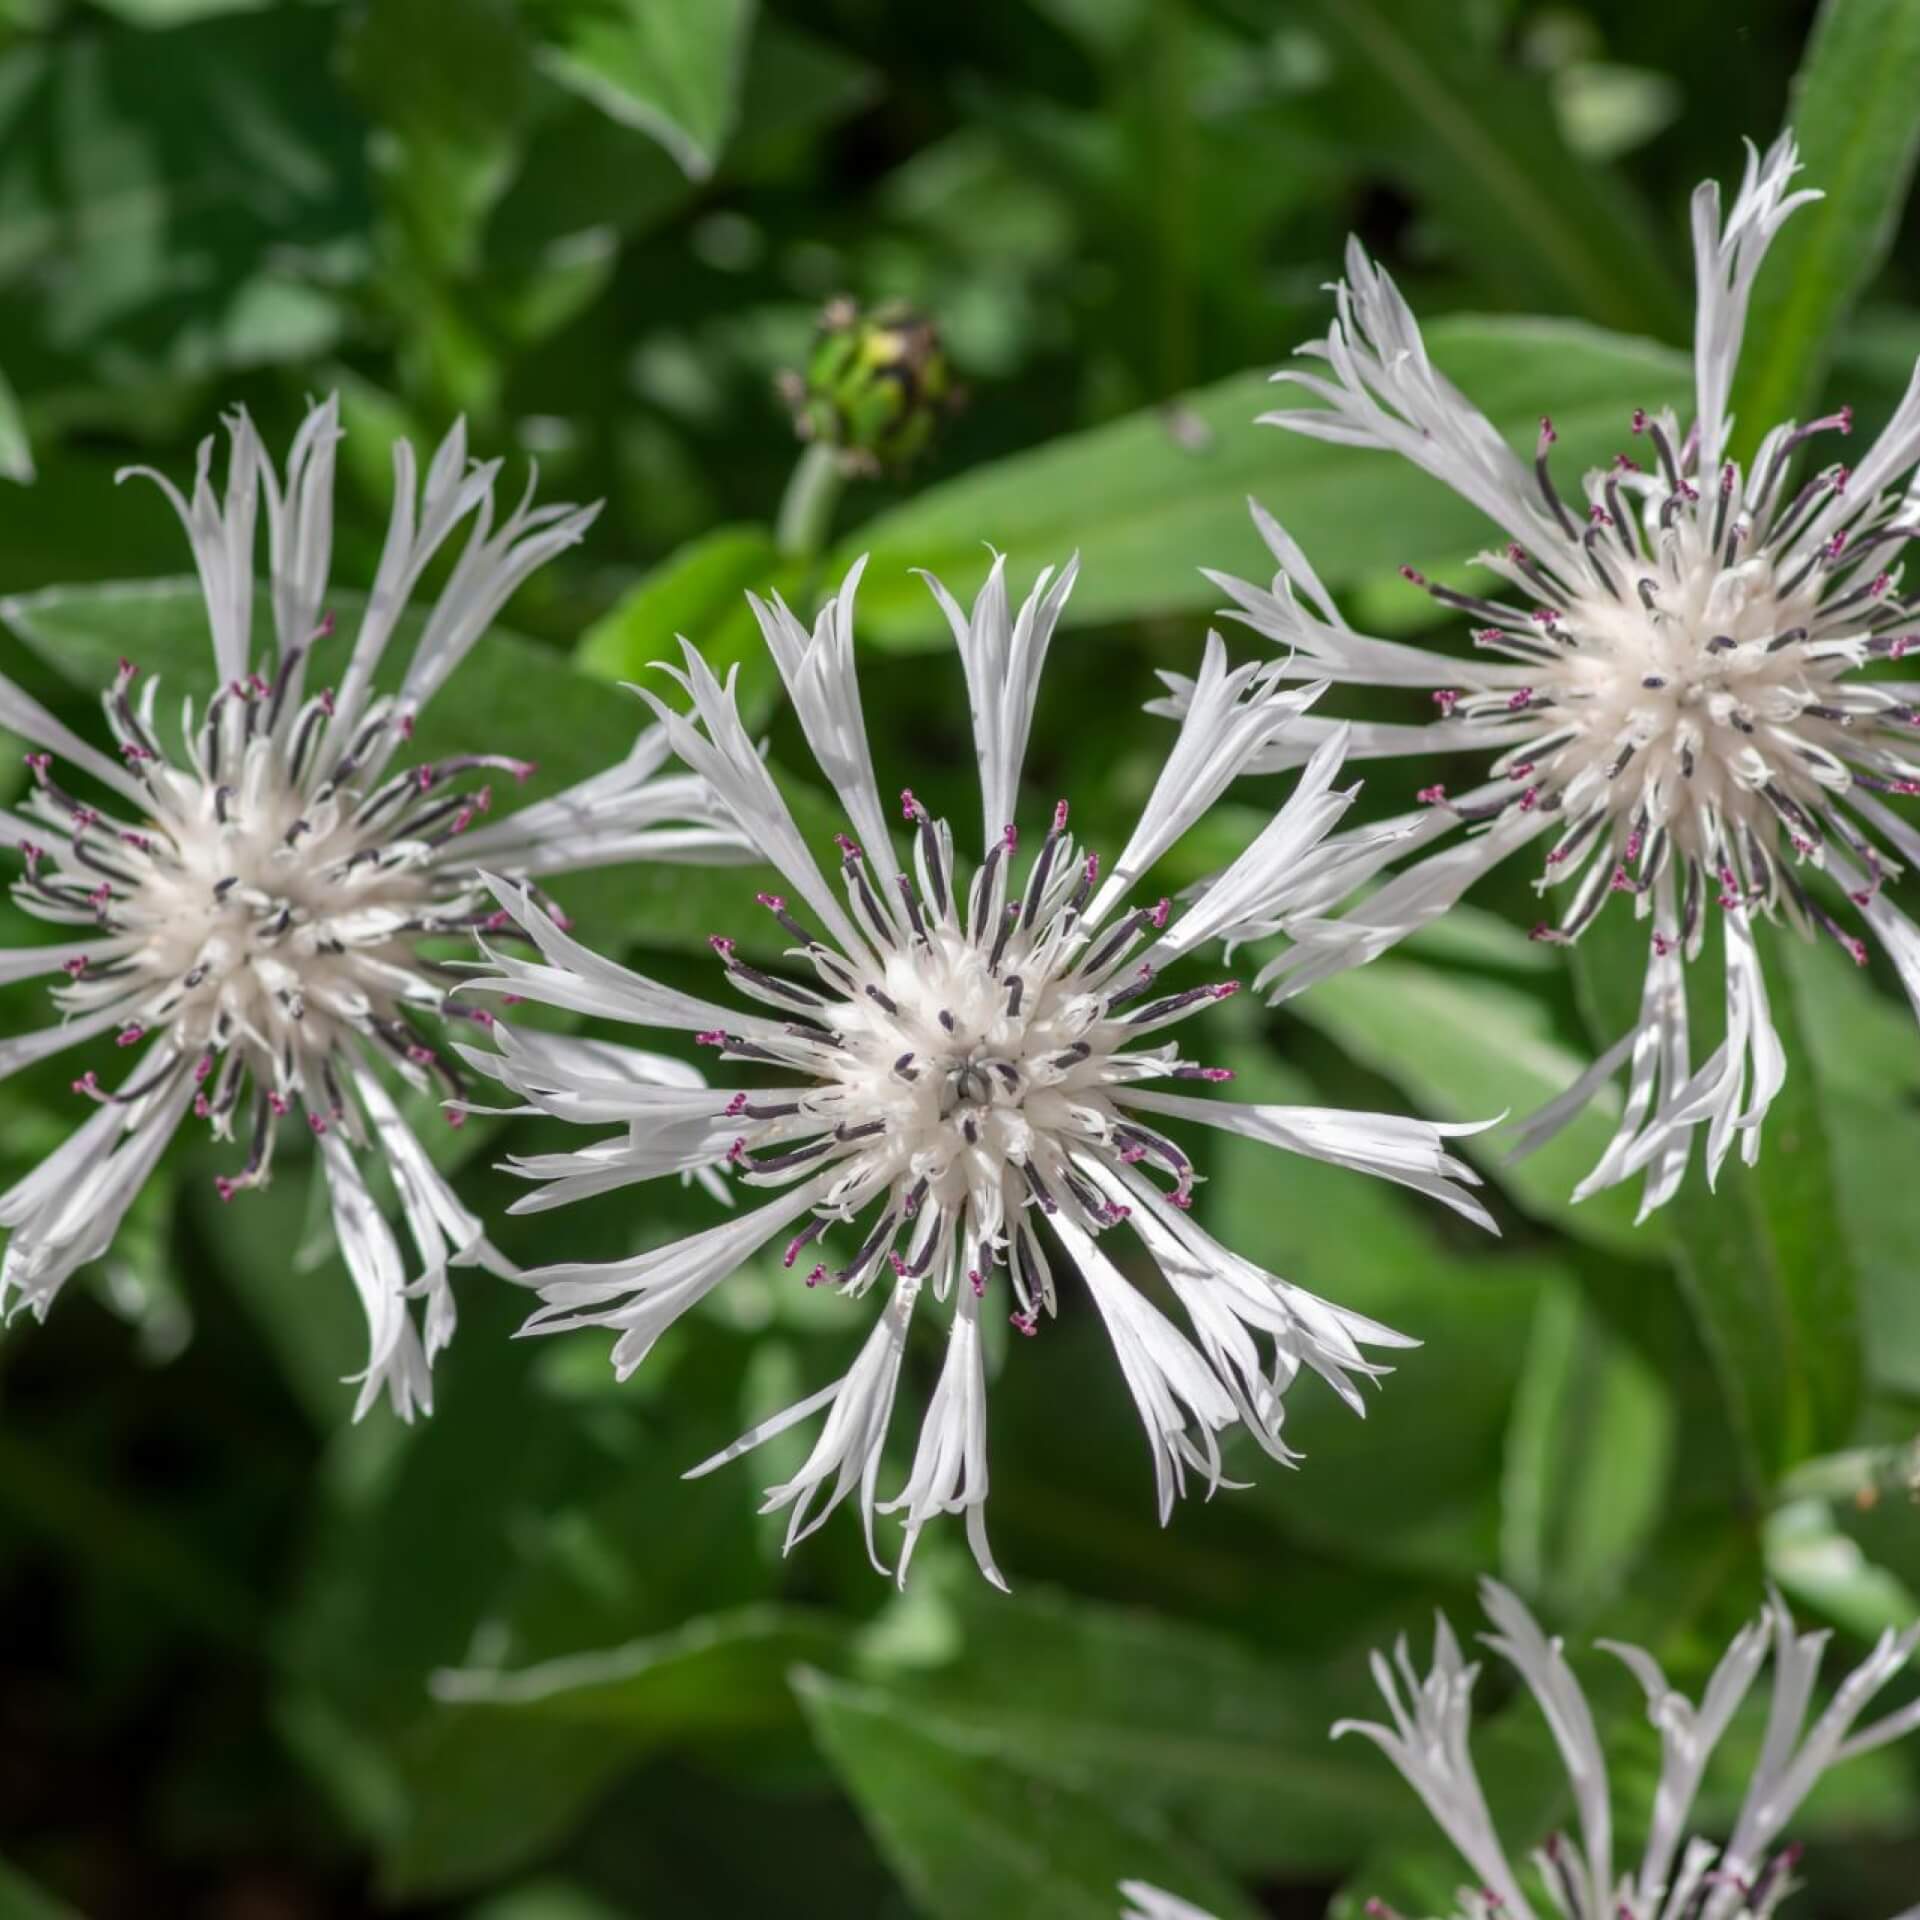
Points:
(971, 1057)
(1679, 1876)
(1671, 689)
(257, 909)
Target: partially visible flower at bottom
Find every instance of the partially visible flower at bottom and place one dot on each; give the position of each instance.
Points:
(1680, 1876)
(264, 904)
(954, 1059)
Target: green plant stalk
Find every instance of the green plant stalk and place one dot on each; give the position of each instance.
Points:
(806, 508)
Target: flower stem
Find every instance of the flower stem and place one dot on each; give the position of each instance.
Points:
(806, 509)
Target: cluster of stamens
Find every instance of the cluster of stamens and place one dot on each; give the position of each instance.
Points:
(960, 1073)
(1682, 699)
(1559, 1865)
(264, 919)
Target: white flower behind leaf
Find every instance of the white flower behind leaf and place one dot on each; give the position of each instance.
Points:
(1674, 692)
(963, 1080)
(263, 894)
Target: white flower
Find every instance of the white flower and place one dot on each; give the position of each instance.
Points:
(966, 1062)
(1679, 1876)
(1670, 688)
(258, 908)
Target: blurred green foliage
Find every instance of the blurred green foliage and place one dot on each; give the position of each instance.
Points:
(508, 1666)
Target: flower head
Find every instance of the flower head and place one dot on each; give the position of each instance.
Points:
(962, 1075)
(256, 898)
(1667, 693)
(1679, 1876)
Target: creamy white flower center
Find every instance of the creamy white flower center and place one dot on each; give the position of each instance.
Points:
(267, 911)
(1687, 694)
(262, 917)
(1696, 684)
(964, 1070)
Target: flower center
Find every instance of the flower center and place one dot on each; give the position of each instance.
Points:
(1685, 695)
(256, 916)
(971, 1067)
(1692, 684)
(267, 909)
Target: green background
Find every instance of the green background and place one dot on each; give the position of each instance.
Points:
(258, 1665)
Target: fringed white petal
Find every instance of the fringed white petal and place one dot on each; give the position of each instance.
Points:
(849, 1446)
(642, 1296)
(949, 1473)
(1003, 658)
(1234, 713)
(1726, 261)
(724, 756)
(1386, 393)
(221, 536)
(1411, 1153)
(66, 1211)
(581, 980)
(817, 670)
(1183, 1405)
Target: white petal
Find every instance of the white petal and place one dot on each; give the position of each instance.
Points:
(1003, 658)
(1234, 713)
(724, 756)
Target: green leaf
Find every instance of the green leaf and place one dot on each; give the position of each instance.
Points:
(584, 173)
(1588, 1452)
(1150, 499)
(668, 68)
(177, 227)
(1861, 1049)
(449, 82)
(697, 594)
(1479, 142)
(513, 1761)
(1763, 1261)
(174, 13)
(1821, 1566)
(16, 457)
(1155, 1713)
(1852, 112)
(970, 1833)
(1404, 1261)
(20, 1899)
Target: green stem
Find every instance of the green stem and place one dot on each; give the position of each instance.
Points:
(806, 509)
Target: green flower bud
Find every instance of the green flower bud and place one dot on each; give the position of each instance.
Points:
(877, 385)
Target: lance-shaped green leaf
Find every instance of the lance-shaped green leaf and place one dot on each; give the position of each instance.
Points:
(1228, 1743)
(512, 1761)
(1852, 113)
(669, 68)
(1477, 140)
(970, 1833)
(1148, 500)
